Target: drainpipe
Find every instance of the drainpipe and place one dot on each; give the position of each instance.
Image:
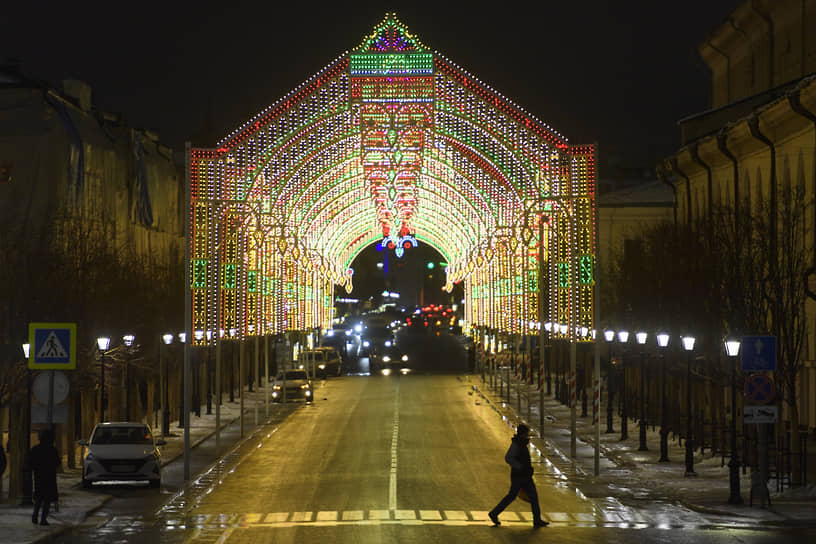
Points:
(797, 107)
(688, 188)
(727, 72)
(663, 176)
(696, 156)
(722, 145)
(753, 125)
(769, 23)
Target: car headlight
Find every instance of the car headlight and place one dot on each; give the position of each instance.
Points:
(308, 393)
(386, 358)
(404, 357)
(276, 387)
(366, 344)
(388, 343)
(304, 386)
(321, 367)
(386, 371)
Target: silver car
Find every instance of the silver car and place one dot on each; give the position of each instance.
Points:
(122, 451)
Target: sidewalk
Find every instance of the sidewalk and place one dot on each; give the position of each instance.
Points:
(628, 472)
(75, 504)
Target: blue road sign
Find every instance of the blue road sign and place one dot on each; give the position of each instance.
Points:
(53, 346)
(758, 353)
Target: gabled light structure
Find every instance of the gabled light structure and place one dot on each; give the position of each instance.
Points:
(391, 143)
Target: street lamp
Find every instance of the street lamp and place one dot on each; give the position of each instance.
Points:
(663, 342)
(623, 337)
(128, 341)
(165, 408)
(732, 348)
(609, 336)
(688, 345)
(563, 328)
(182, 336)
(27, 491)
(641, 340)
(209, 374)
(103, 343)
(548, 326)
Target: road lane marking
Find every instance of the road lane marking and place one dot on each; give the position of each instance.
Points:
(353, 515)
(276, 517)
(455, 515)
(327, 516)
(428, 515)
(392, 480)
(404, 514)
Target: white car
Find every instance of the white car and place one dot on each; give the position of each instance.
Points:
(122, 451)
(295, 385)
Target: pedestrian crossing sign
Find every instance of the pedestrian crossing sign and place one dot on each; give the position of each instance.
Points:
(53, 346)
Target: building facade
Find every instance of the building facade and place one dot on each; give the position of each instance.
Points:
(758, 139)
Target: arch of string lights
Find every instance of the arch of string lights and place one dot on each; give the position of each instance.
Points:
(390, 143)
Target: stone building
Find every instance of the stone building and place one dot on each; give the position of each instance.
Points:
(758, 139)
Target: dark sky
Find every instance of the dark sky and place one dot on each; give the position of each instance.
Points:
(619, 72)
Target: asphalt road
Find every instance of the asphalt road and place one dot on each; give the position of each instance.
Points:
(412, 458)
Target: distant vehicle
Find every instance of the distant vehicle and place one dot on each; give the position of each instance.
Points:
(326, 361)
(297, 386)
(375, 338)
(122, 451)
(392, 361)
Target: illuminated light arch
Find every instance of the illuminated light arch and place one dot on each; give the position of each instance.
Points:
(390, 139)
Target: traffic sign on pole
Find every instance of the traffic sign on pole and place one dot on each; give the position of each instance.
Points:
(758, 353)
(759, 389)
(53, 346)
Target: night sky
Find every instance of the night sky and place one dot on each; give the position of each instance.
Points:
(620, 73)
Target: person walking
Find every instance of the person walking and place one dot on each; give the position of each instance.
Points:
(521, 477)
(44, 460)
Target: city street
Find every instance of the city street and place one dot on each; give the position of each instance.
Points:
(385, 459)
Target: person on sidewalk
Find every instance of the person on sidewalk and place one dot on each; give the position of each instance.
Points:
(44, 461)
(521, 477)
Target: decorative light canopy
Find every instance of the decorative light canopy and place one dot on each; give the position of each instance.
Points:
(390, 143)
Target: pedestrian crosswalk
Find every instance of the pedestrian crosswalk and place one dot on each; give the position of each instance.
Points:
(395, 516)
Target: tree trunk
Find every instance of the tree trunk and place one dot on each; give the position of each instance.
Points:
(795, 450)
(17, 449)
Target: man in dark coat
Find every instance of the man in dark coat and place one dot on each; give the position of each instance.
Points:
(44, 460)
(521, 477)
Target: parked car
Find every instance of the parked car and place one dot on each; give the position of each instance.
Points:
(122, 451)
(296, 385)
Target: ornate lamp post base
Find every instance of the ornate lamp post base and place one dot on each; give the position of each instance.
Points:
(690, 459)
(664, 445)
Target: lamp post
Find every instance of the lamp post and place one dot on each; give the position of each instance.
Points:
(688, 345)
(563, 328)
(208, 373)
(548, 326)
(663, 342)
(128, 339)
(623, 337)
(165, 408)
(732, 348)
(609, 336)
(103, 343)
(641, 340)
(27, 491)
(182, 336)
